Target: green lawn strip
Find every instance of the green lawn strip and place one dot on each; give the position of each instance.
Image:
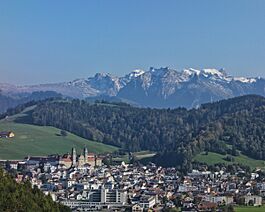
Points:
(214, 158)
(249, 209)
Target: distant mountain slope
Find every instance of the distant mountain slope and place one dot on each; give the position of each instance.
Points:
(12, 101)
(159, 88)
(165, 87)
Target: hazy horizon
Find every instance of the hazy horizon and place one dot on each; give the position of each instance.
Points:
(121, 75)
(45, 42)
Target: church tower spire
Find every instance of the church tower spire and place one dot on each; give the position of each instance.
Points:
(73, 157)
(85, 154)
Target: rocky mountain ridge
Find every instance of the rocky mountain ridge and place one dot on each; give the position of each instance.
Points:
(162, 87)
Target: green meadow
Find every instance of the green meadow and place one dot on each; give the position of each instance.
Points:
(213, 158)
(42, 140)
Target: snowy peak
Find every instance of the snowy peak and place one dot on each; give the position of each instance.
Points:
(159, 71)
(214, 72)
(99, 76)
(205, 72)
(165, 87)
(156, 87)
(245, 80)
(134, 74)
(191, 72)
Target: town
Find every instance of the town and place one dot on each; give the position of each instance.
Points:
(84, 183)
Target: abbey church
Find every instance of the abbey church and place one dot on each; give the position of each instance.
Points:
(85, 159)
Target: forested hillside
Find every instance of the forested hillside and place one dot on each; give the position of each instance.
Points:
(227, 126)
(21, 197)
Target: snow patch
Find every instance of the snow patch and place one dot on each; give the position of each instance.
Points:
(244, 79)
(136, 73)
(191, 71)
(213, 72)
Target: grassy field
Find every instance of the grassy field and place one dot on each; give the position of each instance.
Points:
(138, 155)
(213, 158)
(39, 141)
(144, 154)
(249, 209)
(124, 158)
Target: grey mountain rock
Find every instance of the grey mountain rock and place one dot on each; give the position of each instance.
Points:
(160, 88)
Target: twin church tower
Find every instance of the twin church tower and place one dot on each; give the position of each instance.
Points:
(79, 161)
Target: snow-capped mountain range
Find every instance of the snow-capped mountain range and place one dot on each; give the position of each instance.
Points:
(162, 87)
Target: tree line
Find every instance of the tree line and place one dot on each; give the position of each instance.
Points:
(22, 197)
(228, 126)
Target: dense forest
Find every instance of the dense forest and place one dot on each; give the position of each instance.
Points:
(21, 197)
(227, 126)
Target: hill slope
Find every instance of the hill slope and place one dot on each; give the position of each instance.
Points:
(9, 101)
(176, 135)
(38, 140)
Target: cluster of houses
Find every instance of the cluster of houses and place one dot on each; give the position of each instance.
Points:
(66, 161)
(84, 183)
(208, 191)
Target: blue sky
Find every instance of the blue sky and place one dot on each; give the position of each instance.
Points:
(51, 41)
